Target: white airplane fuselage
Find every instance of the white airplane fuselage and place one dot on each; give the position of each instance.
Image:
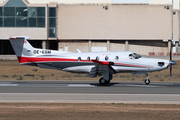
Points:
(91, 63)
(69, 61)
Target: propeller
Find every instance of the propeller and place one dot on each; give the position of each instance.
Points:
(170, 61)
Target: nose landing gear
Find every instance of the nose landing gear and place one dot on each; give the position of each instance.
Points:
(147, 81)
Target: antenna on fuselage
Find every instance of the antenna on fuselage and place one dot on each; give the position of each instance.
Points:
(78, 51)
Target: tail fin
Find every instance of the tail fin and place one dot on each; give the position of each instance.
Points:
(21, 46)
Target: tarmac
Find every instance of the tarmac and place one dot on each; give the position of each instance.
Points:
(89, 92)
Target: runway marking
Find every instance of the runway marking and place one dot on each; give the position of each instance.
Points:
(6, 85)
(80, 85)
(143, 86)
(75, 85)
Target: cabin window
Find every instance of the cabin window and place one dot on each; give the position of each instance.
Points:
(97, 58)
(88, 58)
(106, 58)
(116, 58)
(79, 58)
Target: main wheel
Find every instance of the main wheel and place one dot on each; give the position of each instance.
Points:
(102, 81)
(147, 81)
(107, 82)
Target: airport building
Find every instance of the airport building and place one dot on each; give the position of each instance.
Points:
(146, 27)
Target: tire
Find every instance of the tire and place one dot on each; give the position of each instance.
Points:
(107, 82)
(102, 81)
(147, 81)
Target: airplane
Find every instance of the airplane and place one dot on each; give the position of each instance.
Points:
(91, 63)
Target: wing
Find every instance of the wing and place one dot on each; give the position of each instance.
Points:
(102, 68)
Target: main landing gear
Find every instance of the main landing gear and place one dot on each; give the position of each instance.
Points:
(147, 81)
(102, 81)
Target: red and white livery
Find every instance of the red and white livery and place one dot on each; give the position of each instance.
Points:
(91, 63)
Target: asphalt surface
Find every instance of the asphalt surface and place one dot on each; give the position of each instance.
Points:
(89, 92)
(89, 87)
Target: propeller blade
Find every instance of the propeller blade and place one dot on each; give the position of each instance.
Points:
(170, 71)
(170, 54)
(170, 67)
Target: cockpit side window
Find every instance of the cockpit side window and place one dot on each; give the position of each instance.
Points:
(130, 56)
(134, 56)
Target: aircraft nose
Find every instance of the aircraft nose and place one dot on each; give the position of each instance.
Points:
(172, 62)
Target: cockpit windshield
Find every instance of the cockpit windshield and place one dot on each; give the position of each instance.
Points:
(134, 56)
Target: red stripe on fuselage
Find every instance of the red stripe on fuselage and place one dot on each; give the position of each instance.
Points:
(132, 65)
(12, 37)
(36, 59)
(22, 60)
(101, 62)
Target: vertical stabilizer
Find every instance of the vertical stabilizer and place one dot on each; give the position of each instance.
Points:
(21, 46)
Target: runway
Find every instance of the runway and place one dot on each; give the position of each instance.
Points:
(89, 92)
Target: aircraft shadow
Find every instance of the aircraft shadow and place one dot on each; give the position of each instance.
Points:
(97, 84)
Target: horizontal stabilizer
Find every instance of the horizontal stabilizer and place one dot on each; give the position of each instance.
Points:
(18, 37)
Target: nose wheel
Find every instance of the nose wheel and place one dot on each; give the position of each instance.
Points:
(147, 81)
